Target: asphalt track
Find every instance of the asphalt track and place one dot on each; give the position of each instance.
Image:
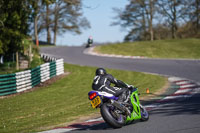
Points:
(181, 116)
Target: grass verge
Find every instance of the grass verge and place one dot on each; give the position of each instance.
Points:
(63, 101)
(177, 48)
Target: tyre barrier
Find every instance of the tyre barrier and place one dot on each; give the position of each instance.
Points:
(47, 57)
(21, 81)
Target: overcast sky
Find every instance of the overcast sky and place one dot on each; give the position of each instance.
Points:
(100, 15)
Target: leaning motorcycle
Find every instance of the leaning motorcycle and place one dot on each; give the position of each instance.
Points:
(88, 45)
(116, 113)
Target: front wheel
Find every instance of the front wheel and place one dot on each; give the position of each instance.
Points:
(111, 116)
(144, 113)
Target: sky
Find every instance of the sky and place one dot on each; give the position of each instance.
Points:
(100, 15)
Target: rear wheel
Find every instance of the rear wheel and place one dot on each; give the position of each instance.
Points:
(144, 113)
(112, 116)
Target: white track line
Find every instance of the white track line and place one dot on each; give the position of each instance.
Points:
(187, 86)
(97, 119)
(182, 82)
(183, 91)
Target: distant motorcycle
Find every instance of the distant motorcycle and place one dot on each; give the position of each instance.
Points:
(116, 113)
(89, 43)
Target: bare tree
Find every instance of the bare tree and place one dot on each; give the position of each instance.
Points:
(41, 17)
(197, 13)
(194, 14)
(67, 16)
(172, 11)
(47, 18)
(138, 16)
(36, 8)
(150, 10)
(58, 16)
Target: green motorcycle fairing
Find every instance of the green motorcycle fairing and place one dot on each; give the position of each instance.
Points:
(136, 113)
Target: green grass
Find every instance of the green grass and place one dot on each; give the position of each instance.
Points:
(63, 101)
(47, 45)
(178, 48)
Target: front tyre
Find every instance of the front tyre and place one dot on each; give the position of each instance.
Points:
(144, 113)
(108, 113)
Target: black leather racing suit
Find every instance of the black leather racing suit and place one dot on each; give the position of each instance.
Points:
(103, 82)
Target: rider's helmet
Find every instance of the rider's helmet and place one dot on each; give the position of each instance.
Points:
(100, 71)
(90, 37)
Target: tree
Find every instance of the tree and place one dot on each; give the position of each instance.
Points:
(1, 27)
(162, 31)
(172, 11)
(193, 13)
(67, 17)
(36, 4)
(172, 18)
(138, 16)
(150, 10)
(41, 16)
(192, 20)
(14, 19)
(48, 21)
(58, 16)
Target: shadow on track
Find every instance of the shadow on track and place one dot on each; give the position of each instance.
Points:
(188, 106)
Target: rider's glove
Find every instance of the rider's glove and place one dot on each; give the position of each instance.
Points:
(130, 87)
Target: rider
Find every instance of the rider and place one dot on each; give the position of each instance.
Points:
(90, 41)
(102, 82)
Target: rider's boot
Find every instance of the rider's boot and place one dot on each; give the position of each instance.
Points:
(124, 97)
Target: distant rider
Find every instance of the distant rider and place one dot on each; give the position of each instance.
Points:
(102, 82)
(90, 41)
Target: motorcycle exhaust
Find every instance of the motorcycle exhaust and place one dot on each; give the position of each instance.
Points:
(120, 107)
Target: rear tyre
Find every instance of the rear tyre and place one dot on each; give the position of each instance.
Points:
(144, 113)
(107, 112)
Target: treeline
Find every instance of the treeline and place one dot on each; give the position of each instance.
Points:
(159, 19)
(22, 18)
(57, 16)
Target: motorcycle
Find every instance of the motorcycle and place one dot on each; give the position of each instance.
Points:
(88, 45)
(116, 113)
